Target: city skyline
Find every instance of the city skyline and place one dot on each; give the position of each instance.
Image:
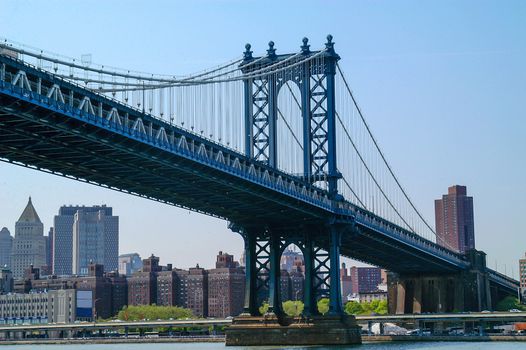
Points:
(439, 94)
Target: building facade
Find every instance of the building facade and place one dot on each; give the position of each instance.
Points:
(454, 220)
(102, 294)
(297, 284)
(226, 287)
(58, 306)
(6, 245)
(29, 245)
(365, 279)
(291, 259)
(368, 297)
(142, 285)
(6, 281)
(346, 282)
(62, 242)
(49, 251)
(197, 291)
(129, 264)
(95, 239)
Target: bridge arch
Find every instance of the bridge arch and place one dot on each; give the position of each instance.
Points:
(290, 126)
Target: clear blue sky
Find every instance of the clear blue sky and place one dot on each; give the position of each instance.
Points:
(442, 84)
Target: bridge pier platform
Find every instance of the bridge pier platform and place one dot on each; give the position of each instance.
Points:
(467, 290)
(269, 331)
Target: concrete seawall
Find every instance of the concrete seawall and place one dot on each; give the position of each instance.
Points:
(441, 338)
(365, 339)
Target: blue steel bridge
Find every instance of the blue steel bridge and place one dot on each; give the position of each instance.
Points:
(274, 144)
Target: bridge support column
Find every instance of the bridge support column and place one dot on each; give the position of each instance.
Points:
(309, 298)
(417, 296)
(274, 304)
(335, 301)
(442, 299)
(400, 297)
(250, 306)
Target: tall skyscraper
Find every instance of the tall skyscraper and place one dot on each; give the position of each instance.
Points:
(62, 245)
(49, 253)
(29, 245)
(95, 240)
(6, 244)
(454, 220)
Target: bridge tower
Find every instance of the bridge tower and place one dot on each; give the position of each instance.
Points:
(315, 80)
(313, 72)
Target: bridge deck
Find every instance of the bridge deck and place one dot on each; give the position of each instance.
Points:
(119, 147)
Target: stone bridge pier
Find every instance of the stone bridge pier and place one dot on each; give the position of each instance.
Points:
(467, 290)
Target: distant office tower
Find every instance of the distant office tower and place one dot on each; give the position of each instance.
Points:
(6, 281)
(47, 269)
(95, 239)
(29, 245)
(226, 287)
(63, 236)
(6, 244)
(365, 279)
(346, 282)
(129, 264)
(291, 259)
(454, 220)
(522, 274)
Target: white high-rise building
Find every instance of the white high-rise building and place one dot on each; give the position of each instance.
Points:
(29, 245)
(95, 239)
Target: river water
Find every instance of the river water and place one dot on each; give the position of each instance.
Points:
(216, 346)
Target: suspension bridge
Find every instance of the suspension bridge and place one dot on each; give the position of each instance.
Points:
(276, 144)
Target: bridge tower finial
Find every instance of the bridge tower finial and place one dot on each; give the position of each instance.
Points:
(305, 48)
(271, 52)
(329, 45)
(247, 55)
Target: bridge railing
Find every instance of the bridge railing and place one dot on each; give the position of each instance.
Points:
(414, 240)
(503, 280)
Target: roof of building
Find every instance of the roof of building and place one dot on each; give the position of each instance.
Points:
(29, 214)
(5, 232)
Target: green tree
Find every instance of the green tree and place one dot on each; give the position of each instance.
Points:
(509, 303)
(293, 308)
(323, 306)
(366, 308)
(263, 308)
(353, 308)
(153, 312)
(381, 309)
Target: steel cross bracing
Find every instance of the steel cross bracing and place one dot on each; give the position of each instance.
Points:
(315, 80)
(55, 126)
(262, 252)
